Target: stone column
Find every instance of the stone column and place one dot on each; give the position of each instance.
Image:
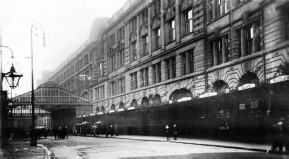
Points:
(164, 71)
(149, 31)
(152, 75)
(180, 65)
(139, 79)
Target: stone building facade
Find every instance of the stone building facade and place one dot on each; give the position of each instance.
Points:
(155, 52)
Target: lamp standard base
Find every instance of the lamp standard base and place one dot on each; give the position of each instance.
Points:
(33, 140)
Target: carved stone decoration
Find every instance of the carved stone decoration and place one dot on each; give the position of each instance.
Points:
(245, 18)
(217, 32)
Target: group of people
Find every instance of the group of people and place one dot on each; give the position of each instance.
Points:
(168, 132)
(60, 132)
(280, 135)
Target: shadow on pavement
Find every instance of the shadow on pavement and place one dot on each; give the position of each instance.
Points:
(235, 155)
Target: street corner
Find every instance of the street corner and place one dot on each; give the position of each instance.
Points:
(48, 153)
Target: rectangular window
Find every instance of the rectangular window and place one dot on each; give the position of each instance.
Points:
(100, 69)
(113, 88)
(133, 24)
(121, 83)
(111, 40)
(120, 34)
(157, 7)
(145, 76)
(121, 57)
(145, 45)
(157, 33)
(171, 67)
(189, 21)
(134, 80)
(133, 51)
(172, 33)
(145, 16)
(286, 23)
(85, 59)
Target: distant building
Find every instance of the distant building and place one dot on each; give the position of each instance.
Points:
(45, 75)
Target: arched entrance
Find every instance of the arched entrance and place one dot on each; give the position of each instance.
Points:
(180, 95)
(248, 77)
(157, 99)
(220, 86)
(144, 102)
(121, 106)
(85, 95)
(133, 104)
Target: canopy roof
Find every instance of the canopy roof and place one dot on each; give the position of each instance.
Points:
(50, 96)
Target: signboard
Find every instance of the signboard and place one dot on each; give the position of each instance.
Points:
(184, 99)
(254, 104)
(120, 110)
(242, 106)
(280, 79)
(130, 108)
(209, 94)
(247, 86)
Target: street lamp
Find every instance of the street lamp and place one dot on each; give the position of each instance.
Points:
(14, 77)
(33, 141)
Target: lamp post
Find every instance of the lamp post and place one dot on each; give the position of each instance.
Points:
(33, 141)
(14, 77)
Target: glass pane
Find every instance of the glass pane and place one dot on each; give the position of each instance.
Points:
(190, 15)
(173, 24)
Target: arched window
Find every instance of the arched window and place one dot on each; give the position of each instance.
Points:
(121, 105)
(220, 86)
(249, 77)
(97, 110)
(102, 109)
(112, 107)
(133, 103)
(157, 99)
(144, 102)
(181, 94)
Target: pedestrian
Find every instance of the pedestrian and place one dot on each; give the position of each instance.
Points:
(175, 131)
(168, 133)
(111, 130)
(116, 130)
(278, 135)
(55, 132)
(66, 131)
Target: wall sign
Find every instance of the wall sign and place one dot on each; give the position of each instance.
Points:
(242, 106)
(209, 94)
(247, 86)
(280, 79)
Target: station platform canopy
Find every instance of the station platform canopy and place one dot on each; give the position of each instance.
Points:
(50, 96)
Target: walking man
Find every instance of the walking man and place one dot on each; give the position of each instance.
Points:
(168, 133)
(175, 131)
(55, 132)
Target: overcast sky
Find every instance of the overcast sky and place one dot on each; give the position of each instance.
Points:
(66, 23)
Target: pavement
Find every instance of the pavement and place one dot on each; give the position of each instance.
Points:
(203, 142)
(22, 149)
